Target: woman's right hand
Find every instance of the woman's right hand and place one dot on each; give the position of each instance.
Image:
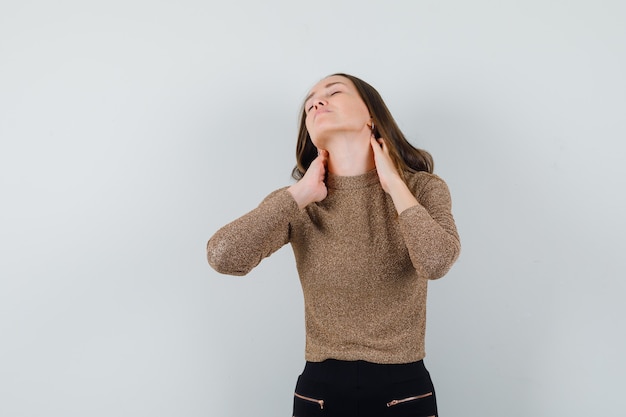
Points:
(311, 188)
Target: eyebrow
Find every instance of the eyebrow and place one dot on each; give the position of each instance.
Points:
(326, 86)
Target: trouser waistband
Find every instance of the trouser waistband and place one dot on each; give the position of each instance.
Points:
(363, 372)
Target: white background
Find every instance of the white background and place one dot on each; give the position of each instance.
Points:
(131, 130)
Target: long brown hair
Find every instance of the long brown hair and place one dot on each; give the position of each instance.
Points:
(405, 156)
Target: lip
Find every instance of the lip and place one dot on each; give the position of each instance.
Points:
(320, 111)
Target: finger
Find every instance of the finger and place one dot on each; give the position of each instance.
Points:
(383, 145)
(323, 155)
(375, 148)
(375, 144)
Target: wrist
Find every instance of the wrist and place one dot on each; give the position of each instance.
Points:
(401, 195)
(299, 195)
(396, 184)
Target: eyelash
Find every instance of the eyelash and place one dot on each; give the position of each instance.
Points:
(331, 94)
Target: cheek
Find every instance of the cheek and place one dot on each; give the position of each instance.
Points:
(317, 140)
(363, 113)
(308, 126)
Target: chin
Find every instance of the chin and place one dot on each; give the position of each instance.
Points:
(319, 140)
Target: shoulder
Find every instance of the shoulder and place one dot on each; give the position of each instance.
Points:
(422, 181)
(279, 198)
(277, 192)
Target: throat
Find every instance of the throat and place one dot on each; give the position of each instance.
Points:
(350, 162)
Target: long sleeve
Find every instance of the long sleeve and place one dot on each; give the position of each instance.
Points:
(429, 230)
(240, 245)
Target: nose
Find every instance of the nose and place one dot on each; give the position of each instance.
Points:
(318, 102)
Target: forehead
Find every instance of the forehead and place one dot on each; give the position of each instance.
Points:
(330, 80)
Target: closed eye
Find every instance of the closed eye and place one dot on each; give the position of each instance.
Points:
(309, 108)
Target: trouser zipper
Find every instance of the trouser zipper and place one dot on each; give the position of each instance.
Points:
(404, 400)
(312, 400)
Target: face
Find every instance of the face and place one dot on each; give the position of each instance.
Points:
(335, 107)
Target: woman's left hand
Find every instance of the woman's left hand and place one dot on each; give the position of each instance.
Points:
(387, 171)
(389, 177)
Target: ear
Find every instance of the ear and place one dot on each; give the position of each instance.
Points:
(371, 125)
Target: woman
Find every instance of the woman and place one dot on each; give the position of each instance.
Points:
(369, 225)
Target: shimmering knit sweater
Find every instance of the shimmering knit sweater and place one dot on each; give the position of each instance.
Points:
(363, 268)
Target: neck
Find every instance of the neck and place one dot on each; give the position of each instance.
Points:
(350, 157)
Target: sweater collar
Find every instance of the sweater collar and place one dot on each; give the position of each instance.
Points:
(338, 182)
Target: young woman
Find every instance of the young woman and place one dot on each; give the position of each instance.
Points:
(369, 225)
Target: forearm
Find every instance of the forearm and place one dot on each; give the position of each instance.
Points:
(402, 197)
(240, 245)
(429, 229)
(433, 245)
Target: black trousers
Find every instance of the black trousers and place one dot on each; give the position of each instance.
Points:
(336, 388)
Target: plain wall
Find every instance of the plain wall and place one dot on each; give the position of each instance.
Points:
(132, 130)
